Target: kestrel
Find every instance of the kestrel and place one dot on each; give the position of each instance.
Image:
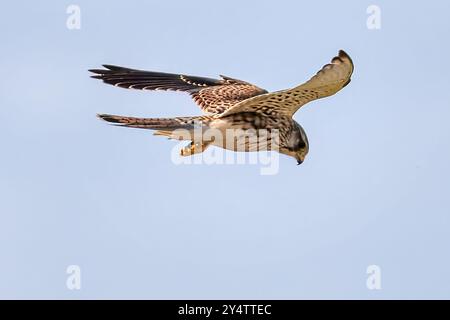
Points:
(231, 104)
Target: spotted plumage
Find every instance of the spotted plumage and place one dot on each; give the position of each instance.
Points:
(232, 104)
(212, 95)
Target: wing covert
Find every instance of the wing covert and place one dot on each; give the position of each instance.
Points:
(329, 80)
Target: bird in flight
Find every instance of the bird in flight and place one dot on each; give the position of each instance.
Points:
(231, 104)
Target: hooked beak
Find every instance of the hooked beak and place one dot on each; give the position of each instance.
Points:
(299, 162)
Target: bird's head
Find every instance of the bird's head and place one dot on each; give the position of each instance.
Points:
(297, 144)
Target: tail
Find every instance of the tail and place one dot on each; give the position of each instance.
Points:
(160, 124)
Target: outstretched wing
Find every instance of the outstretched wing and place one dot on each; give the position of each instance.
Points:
(212, 95)
(329, 80)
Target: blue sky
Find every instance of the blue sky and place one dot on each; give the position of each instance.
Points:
(372, 191)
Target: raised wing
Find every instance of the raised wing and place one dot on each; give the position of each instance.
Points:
(212, 95)
(329, 80)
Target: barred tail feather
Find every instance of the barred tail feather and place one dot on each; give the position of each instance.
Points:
(162, 124)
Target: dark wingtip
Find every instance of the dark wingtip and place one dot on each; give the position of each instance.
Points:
(107, 70)
(113, 67)
(97, 71)
(343, 54)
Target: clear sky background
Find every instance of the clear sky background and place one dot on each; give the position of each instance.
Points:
(374, 189)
